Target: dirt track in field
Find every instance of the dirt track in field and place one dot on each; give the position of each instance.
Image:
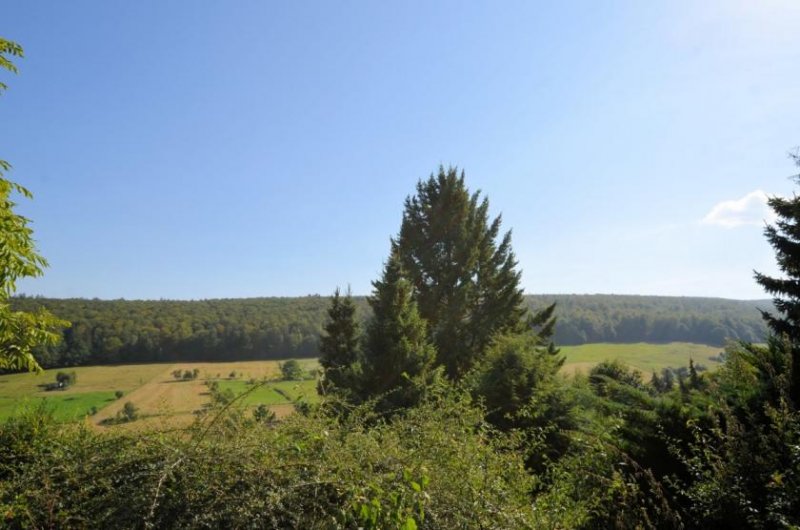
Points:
(166, 403)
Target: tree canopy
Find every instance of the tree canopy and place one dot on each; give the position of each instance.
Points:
(463, 271)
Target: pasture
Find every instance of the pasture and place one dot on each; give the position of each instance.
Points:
(644, 357)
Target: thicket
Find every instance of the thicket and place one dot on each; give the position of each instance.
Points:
(437, 466)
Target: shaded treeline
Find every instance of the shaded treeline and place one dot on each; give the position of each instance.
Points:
(585, 319)
(123, 331)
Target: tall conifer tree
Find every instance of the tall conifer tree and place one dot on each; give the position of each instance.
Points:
(339, 345)
(464, 273)
(397, 352)
(784, 236)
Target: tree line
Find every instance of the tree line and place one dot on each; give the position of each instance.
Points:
(127, 331)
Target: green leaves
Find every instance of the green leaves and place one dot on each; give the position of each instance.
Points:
(13, 49)
(20, 333)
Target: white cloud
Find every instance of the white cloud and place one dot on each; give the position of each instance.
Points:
(750, 210)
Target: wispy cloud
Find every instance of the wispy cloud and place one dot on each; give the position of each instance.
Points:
(750, 210)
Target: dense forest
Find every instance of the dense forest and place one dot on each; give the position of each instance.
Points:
(121, 331)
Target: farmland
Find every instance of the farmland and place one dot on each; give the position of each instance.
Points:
(167, 402)
(644, 357)
(162, 399)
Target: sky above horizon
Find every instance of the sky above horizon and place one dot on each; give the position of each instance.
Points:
(192, 150)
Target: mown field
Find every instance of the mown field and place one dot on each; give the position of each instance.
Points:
(165, 402)
(162, 400)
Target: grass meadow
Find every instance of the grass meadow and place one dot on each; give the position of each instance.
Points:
(644, 357)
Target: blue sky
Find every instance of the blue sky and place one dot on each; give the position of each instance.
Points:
(250, 148)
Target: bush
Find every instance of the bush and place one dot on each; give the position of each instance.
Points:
(262, 414)
(129, 412)
(118, 394)
(291, 370)
(66, 379)
(438, 467)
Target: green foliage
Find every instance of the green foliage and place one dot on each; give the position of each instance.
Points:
(587, 319)
(291, 370)
(516, 369)
(118, 394)
(262, 414)
(744, 467)
(20, 332)
(339, 346)
(785, 240)
(465, 280)
(66, 379)
(124, 331)
(8, 50)
(438, 465)
(615, 371)
(397, 352)
(745, 472)
(129, 411)
(596, 486)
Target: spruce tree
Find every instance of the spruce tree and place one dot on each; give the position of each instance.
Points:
(784, 236)
(463, 272)
(339, 345)
(398, 356)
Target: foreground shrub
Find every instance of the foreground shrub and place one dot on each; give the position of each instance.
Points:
(438, 466)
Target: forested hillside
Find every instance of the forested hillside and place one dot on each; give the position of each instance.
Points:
(117, 331)
(622, 318)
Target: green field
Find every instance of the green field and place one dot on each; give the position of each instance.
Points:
(273, 393)
(65, 407)
(644, 357)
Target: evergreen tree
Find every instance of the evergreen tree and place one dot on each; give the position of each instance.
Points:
(784, 237)
(339, 348)
(464, 274)
(398, 356)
